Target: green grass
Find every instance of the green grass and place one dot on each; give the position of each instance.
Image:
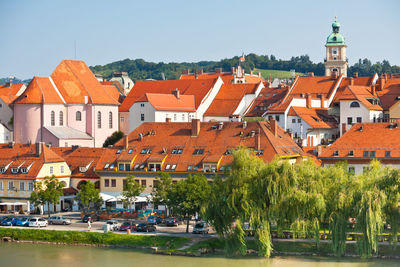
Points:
(94, 238)
(281, 74)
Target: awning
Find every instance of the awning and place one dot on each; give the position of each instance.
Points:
(12, 203)
(116, 196)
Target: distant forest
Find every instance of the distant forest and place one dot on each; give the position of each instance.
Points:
(139, 69)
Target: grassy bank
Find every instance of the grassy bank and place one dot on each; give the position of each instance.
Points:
(293, 246)
(281, 74)
(94, 238)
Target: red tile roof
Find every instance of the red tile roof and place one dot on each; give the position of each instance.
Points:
(317, 118)
(198, 88)
(227, 77)
(163, 138)
(171, 102)
(9, 92)
(265, 100)
(228, 98)
(378, 137)
(360, 93)
(39, 90)
(390, 92)
(75, 81)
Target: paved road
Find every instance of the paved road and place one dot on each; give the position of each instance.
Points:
(78, 225)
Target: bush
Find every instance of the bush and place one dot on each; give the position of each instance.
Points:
(115, 137)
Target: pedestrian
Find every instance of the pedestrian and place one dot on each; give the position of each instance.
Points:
(89, 225)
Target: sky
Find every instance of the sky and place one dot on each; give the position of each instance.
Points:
(36, 35)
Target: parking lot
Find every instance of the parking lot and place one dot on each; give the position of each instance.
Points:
(97, 226)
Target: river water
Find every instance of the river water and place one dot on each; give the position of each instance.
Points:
(34, 255)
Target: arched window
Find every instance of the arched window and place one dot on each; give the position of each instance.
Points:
(52, 118)
(355, 104)
(78, 116)
(110, 120)
(61, 118)
(98, 119)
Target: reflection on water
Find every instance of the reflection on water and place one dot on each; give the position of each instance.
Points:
(28, 255)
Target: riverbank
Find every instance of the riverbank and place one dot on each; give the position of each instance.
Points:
(181, 246)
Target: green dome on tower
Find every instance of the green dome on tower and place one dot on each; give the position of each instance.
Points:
(335, 38)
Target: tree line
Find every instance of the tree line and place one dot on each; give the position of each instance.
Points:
(139, 69)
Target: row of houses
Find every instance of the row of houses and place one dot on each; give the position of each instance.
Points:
(178, 148)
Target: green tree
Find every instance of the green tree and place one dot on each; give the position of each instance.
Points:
(160, 191)
(131, 190)
(48, 191)
(188, 196)
(89, 196)
(114, 138)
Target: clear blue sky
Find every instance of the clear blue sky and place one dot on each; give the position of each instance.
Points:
(37, 35)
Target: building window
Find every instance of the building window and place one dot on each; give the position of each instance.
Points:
(98, 119)
(387, 154)
(142, 117)
(349, 120)
(106, 183)
(30, 186)
(183, 117)
(127, 167)
(1, 186)
(144, 183)
(21, 186)
(51, 169)
(174, 117)
(62, 169)
(61, 114)
(372, 154)
(351, 170)
(355, 104)
(155, 183)
(142, 105)
(122, 119)
(78, 116)
(121, 167)
(113, 183)
(365, 154)
(277, 117)
(52, 118)
(110, 120)
(293, 120)
(10, 185)
(359, 119)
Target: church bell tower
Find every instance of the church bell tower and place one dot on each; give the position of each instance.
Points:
(335, 52)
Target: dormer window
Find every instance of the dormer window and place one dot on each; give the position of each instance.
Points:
(351, 153)
(365, 154)
(190, 168)
(177, 151)
(228, 152)
(24, 170)
(14, 170)
(167, 167)
(119, 151)
(336, 153)
(2, 170)
(387, 154)
(260, 152)
(355, 104)
(372, 154)
(173, 167)
(106, 166)
(146, 151)
(198, 151)
(82, 169)
(130, 151)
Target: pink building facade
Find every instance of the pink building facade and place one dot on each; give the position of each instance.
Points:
(60, 110)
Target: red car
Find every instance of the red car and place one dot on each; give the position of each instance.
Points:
(127, 225)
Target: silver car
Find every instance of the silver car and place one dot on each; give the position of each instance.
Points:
(114, 225)
(59, 220)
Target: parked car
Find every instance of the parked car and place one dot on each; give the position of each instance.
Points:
(92, 218)
(146, 227)
(201, 228)
(114, 225)
(152, 220)
(159, 220)
(37, 222)
(23, 221)
(59, 220)
(173, 221)
(9, 221)
(127, 225)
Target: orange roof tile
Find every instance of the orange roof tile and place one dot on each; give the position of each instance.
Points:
(378, 137)
(228, 99)
(171, 102)
(390, 92)
(169, 136)
(265, 100)
(198, 88)
(227, 77)
(360, 93)
(75, 81)
(39, 90)
(317, 118)
(9, 92)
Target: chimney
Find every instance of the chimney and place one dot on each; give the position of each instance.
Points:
(167, 119)
(220, 125)
(290, 134)
(274, 126)
(195, 127)
(38, 148)
(140, 137)
(319, 151)
(258, 140)
(382, 82)
(334, 75)
(373, 89)
(199, 72)
(308, 101)
(233, 70)
(351, 81)
(311, 74)
(355, 74)
(126, 143)
(176, 93)
(8, 84)
(218, 70)
(185, 72)
(244, 124)
(259, 74)
(322, 101)
(343, 128)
